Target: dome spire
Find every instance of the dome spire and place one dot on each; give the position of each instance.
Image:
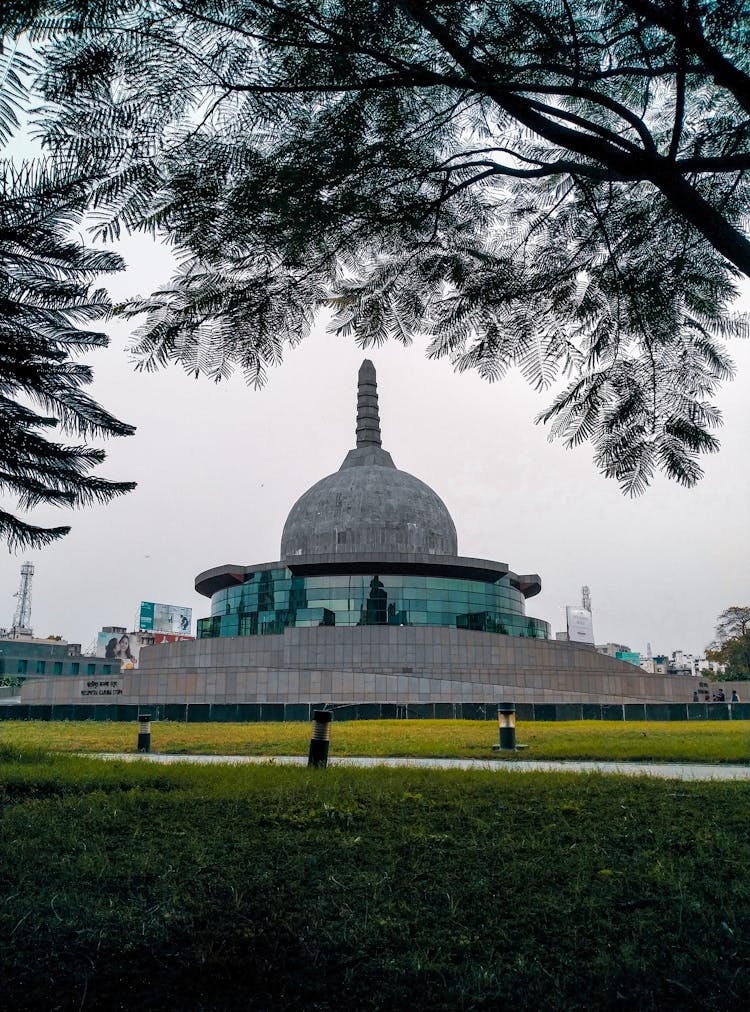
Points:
(368, 505)
(368, 418)
(369, 451)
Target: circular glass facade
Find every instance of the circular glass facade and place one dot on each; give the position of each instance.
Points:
(273, 600)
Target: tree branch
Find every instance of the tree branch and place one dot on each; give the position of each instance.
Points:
(724, 72)
(679, 110)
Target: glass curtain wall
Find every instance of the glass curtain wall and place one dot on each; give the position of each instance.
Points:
(273, 600)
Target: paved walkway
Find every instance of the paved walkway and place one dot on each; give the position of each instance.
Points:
(669, 771)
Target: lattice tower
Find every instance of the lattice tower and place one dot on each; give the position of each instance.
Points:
(586, 598)
(22, 617)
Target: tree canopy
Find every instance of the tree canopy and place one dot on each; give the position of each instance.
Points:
(557, 185)
(733, 622)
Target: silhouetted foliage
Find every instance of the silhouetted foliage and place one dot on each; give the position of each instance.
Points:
(557, 186)
(45, 294)
(733, 622)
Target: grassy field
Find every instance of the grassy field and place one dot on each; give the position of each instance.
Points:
(269, 888)
(699, 741)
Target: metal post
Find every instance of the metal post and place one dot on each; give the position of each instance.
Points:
(506, 718)
(321, 738)
(144, 732)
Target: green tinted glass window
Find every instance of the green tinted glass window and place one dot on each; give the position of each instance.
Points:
(276, 599)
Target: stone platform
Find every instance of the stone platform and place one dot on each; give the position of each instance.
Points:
(370, 664)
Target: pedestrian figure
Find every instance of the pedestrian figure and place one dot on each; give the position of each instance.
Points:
(735, 696)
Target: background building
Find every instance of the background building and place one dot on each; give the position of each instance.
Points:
(657, 665)
(612, 649)
(26, 656)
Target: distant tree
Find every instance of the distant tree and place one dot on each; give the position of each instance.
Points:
(735, 655)
(733, 622)
(732, 647)
(562, 187)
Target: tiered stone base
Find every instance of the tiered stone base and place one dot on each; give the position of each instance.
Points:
(383, 664)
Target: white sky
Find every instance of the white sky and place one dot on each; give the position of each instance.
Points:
(219, 466)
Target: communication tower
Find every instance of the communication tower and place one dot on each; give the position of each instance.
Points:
(586, 598)
(22, 616)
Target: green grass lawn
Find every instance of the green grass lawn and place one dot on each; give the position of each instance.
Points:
(267, 888)
(677, 741)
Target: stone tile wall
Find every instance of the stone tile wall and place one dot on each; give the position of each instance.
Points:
(383, 664)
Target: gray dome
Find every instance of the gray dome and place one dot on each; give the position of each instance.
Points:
(369, 509)
(368, 505)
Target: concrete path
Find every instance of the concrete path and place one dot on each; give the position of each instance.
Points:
(669, 771)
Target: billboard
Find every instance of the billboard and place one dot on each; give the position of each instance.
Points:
(122, 647)
(165, 618)
(580, 624)
(125, 647)
(630, 656)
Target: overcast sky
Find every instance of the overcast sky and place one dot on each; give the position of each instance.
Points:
(219, 466)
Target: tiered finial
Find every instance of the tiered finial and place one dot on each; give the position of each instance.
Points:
(368, 419)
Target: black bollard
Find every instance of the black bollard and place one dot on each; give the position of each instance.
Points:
(321, 739)
(144, 732)
(506, 718)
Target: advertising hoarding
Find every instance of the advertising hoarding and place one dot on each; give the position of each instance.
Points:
(150, 638)
(165, 618)
(630, 656)
(580, 624)
(122, 647)
(125, 647)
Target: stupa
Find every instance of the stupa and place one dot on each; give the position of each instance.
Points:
(368, 545)
(370, 605)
